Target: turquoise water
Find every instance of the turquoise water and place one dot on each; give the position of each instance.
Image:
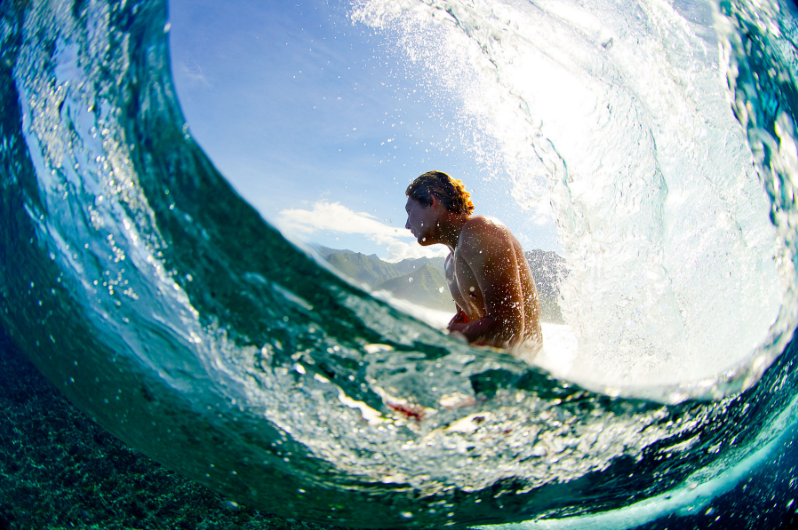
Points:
(162, 305)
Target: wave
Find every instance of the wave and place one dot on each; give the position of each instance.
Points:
(160, 303)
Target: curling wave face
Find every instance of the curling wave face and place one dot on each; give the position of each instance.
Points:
(615, 120)
(165, 307)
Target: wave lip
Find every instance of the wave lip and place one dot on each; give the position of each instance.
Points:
(163, 305)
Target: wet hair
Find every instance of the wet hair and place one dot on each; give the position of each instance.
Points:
(449, 191)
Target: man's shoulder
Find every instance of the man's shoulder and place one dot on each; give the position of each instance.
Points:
(483, 233)
(484, 225)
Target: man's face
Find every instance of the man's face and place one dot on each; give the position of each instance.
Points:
(419, 220)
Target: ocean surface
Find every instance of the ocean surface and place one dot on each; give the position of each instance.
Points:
(659, 135)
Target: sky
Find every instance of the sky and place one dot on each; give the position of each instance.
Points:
(321, 124)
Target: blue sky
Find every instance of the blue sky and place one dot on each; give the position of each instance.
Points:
(320, 124)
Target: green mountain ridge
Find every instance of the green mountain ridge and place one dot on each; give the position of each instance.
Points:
(424, 286)
(370, 270)
(407, 266)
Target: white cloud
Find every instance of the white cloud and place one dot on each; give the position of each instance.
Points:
(334, 217)
(399, 250)
(337, 218)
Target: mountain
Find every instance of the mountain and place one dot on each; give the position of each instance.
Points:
(326, 252)
(367, 269)
(406, 266)
(426, 286)
(416, 280)
(548, 270)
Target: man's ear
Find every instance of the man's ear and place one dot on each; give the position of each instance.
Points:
(434, 201)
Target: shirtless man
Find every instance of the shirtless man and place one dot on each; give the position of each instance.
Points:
(488, 275)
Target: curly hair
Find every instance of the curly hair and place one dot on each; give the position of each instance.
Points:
(451, 192)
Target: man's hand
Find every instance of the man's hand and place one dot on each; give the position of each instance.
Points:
(457, 324)
(458, 321)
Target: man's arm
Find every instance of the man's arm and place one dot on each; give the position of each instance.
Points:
(488, 249)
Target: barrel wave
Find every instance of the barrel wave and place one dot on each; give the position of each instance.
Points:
(164, 306)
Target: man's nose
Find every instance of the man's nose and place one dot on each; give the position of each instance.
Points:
(407, 224)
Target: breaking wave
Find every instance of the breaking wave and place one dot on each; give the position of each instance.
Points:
(659, 136)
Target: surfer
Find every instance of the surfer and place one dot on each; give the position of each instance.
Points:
(487, 272)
